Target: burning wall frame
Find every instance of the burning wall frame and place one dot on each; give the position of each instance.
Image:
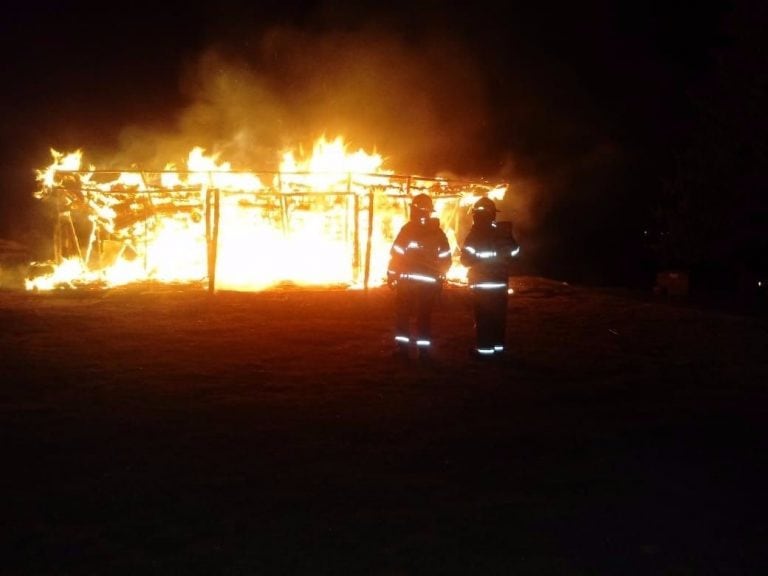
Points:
(114, 212)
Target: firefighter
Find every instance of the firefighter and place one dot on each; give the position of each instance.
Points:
(488, 251)
(419, 259)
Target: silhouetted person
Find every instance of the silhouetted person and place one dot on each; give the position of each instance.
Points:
(419, 258)
(489, 250)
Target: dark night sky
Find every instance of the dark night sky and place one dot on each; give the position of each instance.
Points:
(582, 107)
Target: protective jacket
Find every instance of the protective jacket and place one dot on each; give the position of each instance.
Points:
(488, 252)
(420, 253)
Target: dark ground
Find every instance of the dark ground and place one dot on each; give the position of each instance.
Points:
(150, 430)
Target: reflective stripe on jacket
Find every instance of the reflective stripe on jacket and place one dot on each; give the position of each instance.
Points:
(420, 252)
(488, 252)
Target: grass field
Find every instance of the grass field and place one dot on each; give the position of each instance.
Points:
(163, 430)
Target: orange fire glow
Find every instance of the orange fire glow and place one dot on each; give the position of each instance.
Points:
(327, 219)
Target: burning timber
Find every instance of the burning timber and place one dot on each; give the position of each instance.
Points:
(237, 230)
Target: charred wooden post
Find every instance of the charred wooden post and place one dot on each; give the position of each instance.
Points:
(284, 221)
(93, 245)
(57, 247)
(350, 207)
(407, 196)
(65, 240)
(212, 219)
(356, 237)
(57, 241)
(146, 230)
(215, 243)
(57, 252)
(208, 233)
(283, 201)
(347, 226)
(371, 198)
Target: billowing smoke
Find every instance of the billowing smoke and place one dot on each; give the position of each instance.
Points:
(431, 103)
(561, 104)
(422, 106)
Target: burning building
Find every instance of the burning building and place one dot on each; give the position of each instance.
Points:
(329, 219)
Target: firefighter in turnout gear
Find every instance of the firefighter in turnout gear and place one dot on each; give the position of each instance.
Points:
(488, 251)
(419, 259)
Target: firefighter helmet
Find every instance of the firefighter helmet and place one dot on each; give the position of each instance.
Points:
(422, 203)
(485, 205)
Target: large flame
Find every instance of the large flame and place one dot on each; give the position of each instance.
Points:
(328, 218)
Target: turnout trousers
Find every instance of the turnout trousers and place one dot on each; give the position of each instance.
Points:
(490, 310)
(414, 300)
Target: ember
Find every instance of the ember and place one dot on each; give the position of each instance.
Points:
(326, 220)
